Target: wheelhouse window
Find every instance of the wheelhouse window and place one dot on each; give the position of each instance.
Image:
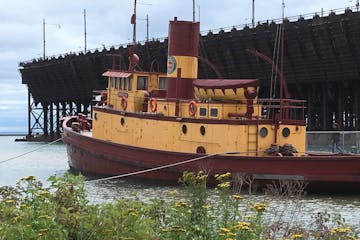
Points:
(126, 82)
(117, 83)
(142, 83)
(122, 83)
(162, 83)
(112, 79)
(130, 83)
(213, 112)
(202, 112)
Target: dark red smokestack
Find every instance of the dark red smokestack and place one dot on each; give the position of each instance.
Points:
(182, 62)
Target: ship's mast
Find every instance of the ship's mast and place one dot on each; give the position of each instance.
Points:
(133, 21)
(283, 85)
(132, 45)
(282, 51)
(253, 14)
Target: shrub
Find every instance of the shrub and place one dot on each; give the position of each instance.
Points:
(62, 211)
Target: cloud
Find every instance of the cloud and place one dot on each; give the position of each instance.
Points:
(108, 22)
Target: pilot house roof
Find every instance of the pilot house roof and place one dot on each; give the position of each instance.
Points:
(112, 73)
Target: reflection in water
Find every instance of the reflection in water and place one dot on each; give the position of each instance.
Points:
(292, 210)
(53, 160)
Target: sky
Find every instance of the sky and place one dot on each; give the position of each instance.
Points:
(108, 24)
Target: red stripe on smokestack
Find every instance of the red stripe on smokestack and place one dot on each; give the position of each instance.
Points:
(183, 38)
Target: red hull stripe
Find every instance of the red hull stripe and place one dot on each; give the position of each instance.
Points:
(97, 156)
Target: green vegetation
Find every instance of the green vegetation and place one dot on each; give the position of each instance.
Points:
(61, 211)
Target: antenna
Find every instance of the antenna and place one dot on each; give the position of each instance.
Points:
(133, 21)
(147, 27)
(282, 50)
(253, 13)
(85, 28)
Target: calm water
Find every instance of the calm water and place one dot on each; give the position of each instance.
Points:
(52, 160)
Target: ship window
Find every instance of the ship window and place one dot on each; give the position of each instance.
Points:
(126, 83)
(130, 83)
(202, 112)
(122, 121)
(263, 132)
(184, 129)
(213, 112)
(122, 83)
(112, 82)
(162, 83)
(117, 83)
(142, 83)
(202, 130)
(200, 149)
(286, 132)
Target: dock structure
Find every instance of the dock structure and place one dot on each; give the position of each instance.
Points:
(321, 65)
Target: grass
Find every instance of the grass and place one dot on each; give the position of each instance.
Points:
(62, 211)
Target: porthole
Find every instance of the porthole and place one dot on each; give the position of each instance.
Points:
(202, 130)
(200, 149)
(122, 121)
(184, 129)
(263, 132)
(95, 116)
(286, 132)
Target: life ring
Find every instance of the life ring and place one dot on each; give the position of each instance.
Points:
(153, 105)
(124, 103)
(192, 108)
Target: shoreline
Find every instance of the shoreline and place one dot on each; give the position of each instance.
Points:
(12, 134)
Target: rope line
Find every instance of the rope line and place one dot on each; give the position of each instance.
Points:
(34, 150)
(157, 168)
(160, 167)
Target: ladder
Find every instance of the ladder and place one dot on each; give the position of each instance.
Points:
(252, 139)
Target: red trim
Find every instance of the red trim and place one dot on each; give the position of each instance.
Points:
(153, 105)
(180, 88)
(192, 108)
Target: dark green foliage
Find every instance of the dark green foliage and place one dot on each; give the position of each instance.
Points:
(62, 211)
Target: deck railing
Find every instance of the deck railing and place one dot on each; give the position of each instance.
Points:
(283, 109)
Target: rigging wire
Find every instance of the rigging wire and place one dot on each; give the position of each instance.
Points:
(277, 57)
(272, 69)
(158, 168)
(34, 150)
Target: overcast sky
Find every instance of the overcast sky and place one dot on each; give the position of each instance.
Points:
(108, 23)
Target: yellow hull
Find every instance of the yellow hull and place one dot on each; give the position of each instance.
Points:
(180, 135)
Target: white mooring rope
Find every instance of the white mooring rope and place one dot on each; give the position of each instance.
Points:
(34, 150)
(158, 168)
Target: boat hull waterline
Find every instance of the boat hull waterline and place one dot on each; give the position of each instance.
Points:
(91, 155)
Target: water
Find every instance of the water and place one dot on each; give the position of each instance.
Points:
(52, 160)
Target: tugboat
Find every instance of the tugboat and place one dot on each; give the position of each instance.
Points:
(159, 125)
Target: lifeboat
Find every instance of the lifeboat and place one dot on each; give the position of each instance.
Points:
(226, 89)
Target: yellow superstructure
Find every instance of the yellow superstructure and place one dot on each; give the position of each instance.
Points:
(215, 127)
(177, 112)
